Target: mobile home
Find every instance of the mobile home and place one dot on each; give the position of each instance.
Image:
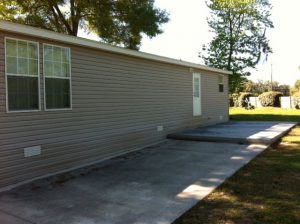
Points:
(68, 102)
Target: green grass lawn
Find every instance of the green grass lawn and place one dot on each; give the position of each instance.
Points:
(265, 191)
(264, 114)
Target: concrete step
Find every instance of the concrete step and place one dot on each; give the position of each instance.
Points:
(238, 132)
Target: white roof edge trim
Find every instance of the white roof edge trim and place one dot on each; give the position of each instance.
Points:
(54, 36)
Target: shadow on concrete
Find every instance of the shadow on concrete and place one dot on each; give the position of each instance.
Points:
(155, 185)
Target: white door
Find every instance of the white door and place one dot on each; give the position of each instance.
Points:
(196, 94)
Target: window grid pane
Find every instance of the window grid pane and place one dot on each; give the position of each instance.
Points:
(22, 67)
(57, 54)
(11, 65)
(22, 49)
(48, 53)
(65, 55)
(18, 58)
(33, 67)
(221, 88)
(57, 69)
(196, 87)
(22, 93)
(11, 48)
(32, 51)
(57, 62)
(48, 70)
(221, 79)
(57, 77)
(221, 83)
(57, 93)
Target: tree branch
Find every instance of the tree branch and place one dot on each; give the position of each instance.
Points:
(63, 19)
(56, 19)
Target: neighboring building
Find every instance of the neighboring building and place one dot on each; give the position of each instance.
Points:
(67, 102)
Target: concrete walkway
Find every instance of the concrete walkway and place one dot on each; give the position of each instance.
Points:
(152, 186)
(245, 132)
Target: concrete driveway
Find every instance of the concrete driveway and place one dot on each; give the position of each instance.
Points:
(152, 186)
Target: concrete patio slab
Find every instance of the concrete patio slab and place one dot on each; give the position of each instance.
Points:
(244, 132)
(6, 218)
(152, 186)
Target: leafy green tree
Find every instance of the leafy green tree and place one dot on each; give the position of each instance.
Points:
(240, 41)
(118, 22)
(7, 10)
(296, 88)
(297, 85)
(284, 89)
(249, 87)
(259, 87)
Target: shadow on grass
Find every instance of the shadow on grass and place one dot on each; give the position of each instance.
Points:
(265, 191)
(261, 192)
(264, 117)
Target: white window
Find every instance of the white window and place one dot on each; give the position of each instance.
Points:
(57, 77)
(221, 83)
(22, 75)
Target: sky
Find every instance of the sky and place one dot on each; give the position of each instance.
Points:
(187, 31)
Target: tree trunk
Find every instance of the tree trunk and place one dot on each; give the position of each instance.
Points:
(231, 45)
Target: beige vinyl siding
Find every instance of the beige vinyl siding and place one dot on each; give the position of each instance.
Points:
(215, 103)
(118, 102)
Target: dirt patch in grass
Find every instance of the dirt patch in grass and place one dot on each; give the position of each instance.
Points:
(266, 191)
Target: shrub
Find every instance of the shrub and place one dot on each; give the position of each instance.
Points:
(296, 100)
(243, 98)
(270, 99)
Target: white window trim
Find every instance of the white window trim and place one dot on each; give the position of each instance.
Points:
(69, 78)
(6, 75)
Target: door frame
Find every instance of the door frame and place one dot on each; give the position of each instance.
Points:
(199, 110)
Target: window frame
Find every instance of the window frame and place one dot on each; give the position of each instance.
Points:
(21, 75)
(69, 78)
(221, 83)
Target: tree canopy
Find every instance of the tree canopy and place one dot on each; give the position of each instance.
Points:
(259, 87)
(296, 87)
(240, 40)
(118, 22)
